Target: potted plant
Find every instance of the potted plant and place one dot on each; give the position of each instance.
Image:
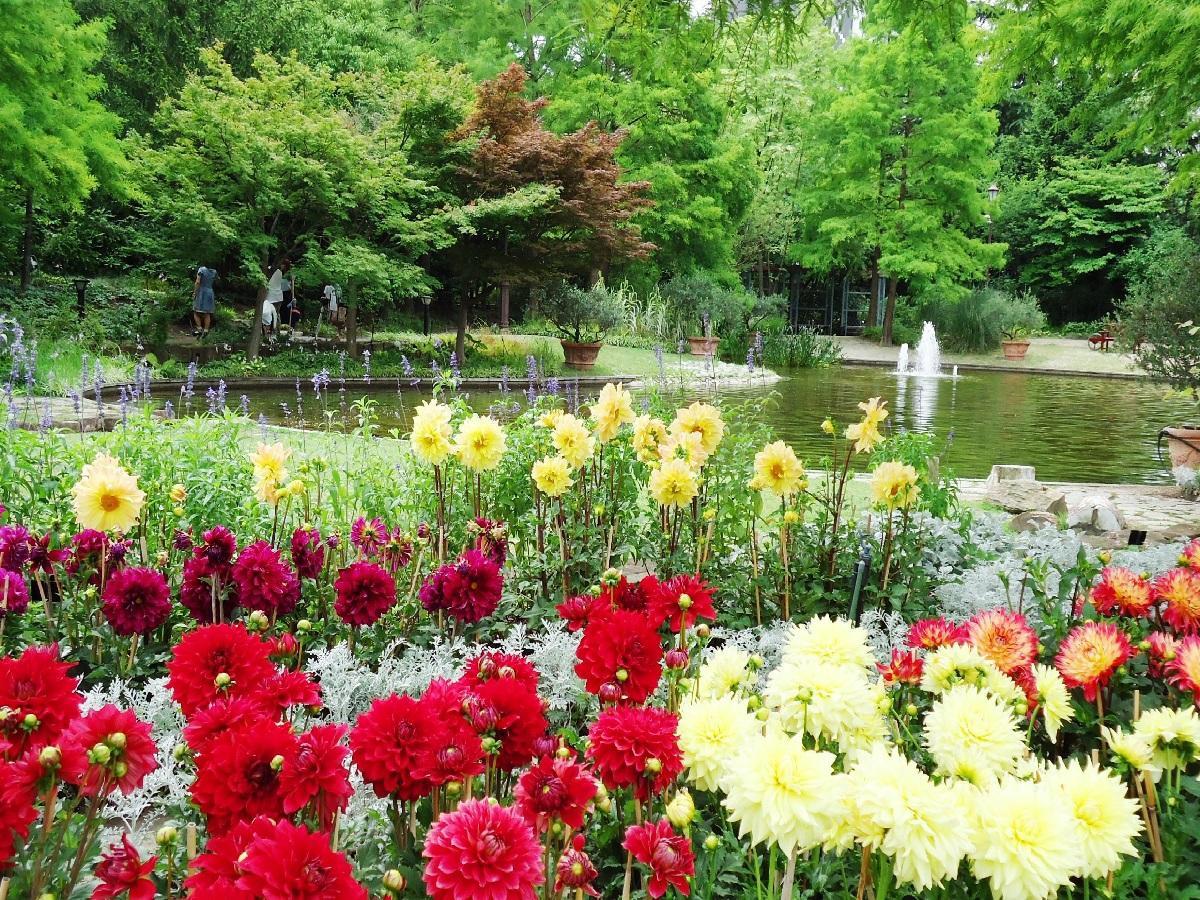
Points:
(704, 344)
(1157, 323)
(698, 298)
(1015, 342)
(582, 319)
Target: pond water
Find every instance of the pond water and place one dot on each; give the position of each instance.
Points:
(1069, 428)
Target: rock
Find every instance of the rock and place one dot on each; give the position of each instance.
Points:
(1033, 520)
(1106, 540)
(1022, 496)
(1173, 534)
(1097, 513)
(1011, 473)
(1058, 507)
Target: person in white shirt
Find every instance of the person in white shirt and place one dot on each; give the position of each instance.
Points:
(336, 312)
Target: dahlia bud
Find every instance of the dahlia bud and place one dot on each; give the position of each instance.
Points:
(599, 510)
(166, 835)
(611, 577)
(709, 514)
(681, 810)
(120, 768)
(885, 704)
(163, 559)
(507, 672)
(622, 675)
(1123, 670)
(179, 752)
(304, 625)
(1143, 646)
(762, 715)
(222, 681)
(50, 758)
(610, 692)
(487, 668)
(827, 426)
(804, 695)
(1105, 556)
(1171, 801)
(490, 745)
(702, 631)
(544, 745)
(100, 754)
(258, 621)
(654, 765)
(453, 788)
(712, 842)
(30, 722)
(755, 702)
(685, 602)
(1021, 708)
(178, 494)
(1169, 655)
(676, 659)
(563, 752)
(394, 882)
(116, 740)
(178, 511)
(791, 517)
(277, 761)
(910, 709)
(756, 662)
(556, 829)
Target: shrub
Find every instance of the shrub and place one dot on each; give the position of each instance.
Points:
(978, 321)
(697, 298)
(582, 316)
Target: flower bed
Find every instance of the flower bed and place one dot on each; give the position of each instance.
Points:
(351, 669)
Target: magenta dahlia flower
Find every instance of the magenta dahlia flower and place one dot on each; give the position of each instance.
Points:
(482, 850)
(264, 581)
(136, 600)
(365, 591)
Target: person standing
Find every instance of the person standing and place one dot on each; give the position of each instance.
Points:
(204, 302)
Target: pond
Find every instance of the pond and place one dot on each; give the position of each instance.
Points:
(1069, 428)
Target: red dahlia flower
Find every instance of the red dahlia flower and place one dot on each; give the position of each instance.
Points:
(14, 593)
(635, 746)
(929, 634)
(1122, 592)
(282, 690)
(620, 648)
(473, 590)
(1180, 590)
(17, 812)
(386, 745)
(905, 667)
(218, 546)
(494, 664)
(36, 684)
(222, 717)
(44, 559)
(119, 749)
(215, 661)
(397, 551)
(1184, 670)
(451, 752)
(633, 596)
(308, 552)
(482, 850)
(365, 591)
(680, 601)
(292, 863)
(575, 871)
(207, 589)
(217, 871)
(1090, 654)
(264, 581)
(317, 777)
(1004, 637)
(239, 777)
(669, 856)
(1163, 648)
(136, 601)
(513, 715)
(123, 874)
(1190, 556)
(554, 790)
(575, 611)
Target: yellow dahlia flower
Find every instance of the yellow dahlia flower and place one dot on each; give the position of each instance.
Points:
(648, 434)
(674, 483)
(874, 410)
(724, 672)
(1054, 700)
(825, 700)
(1133, 750)
(866, 437)
(781, 793)
(552, 476)
(431, 433)
(685, 446)
(970, 734)
(269, 461)
(1173, 736)
(703, 419)
(954, 664)
(894, 485)
(1106, 818)
(710, 732)
(480, 443)
(778, 470)
(178, 494)
(550, 418)
(573, 441)
(106, 497)
(1025, 842)
(611, 410)
(836, 641)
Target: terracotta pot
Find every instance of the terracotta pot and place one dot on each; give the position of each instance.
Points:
(1015, 349)
(1183, 443)
(580, 356)
(704, 346)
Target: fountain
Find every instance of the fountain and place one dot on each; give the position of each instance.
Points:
(926, 361)
(902, 360)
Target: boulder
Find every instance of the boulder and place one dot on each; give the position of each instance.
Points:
(1096, 513)
(1033, 520)
(1011, 473)
(1022, 496)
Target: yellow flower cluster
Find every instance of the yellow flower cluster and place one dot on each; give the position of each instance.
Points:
(866, 434)
(612, 409)
(431, 433)
(106, 497)
(552, 476)
(894, 485)
(270, 472)
(572, 440)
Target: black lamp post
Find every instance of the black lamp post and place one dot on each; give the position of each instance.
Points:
(81, 286)
(426, 300)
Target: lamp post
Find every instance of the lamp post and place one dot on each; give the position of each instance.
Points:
(426, 300)
(993, 192)
(81, 286)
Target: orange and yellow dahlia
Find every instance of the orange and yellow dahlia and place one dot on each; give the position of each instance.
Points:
(1005, 638)
(1179, 589)
(1122, 591)
(1090, 654)
(1184, 670)
(1190, 556)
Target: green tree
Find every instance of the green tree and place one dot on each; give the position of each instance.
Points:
(900, 160)
(253, 170)
(59, 142)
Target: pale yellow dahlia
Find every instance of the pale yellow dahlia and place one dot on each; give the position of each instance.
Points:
(1173, 736)
(674, 483)
(1054, 700)
(894, 485)
(552, 476)
(269, 461)
(686, 446)
(648, 434)
(874, 411)
(1107, 818)
(972, 735)
(710, 732)
(865, 435)
(836, 641)
(723, 672)
(573, 441)
(106, 497)
(480, 443)
(824, 700)
(954, 664)
(777, 469)
(550, 418)
(431, 433)
(1024, 840)
(611, 410)
(703, 419)
(1133, 750)
(781, 793)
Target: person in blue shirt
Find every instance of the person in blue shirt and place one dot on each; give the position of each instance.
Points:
(204, 302)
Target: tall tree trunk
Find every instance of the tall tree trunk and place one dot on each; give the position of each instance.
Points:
(255, 341)
(27, 248)
(762, 272)
(889, 313)
(352, 323)
(460, 336)
(504, 305)
(873, 280)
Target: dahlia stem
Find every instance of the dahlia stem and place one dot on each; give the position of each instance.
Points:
(864, 874)
(754, 563)
(626, 890)
(789, 877)
(133, 643)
